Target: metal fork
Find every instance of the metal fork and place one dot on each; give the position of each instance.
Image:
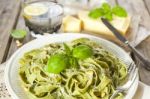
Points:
(132, 72)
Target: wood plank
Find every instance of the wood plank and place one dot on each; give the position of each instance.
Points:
(144, 48)
(14, 47)
(8, 16)
(147, 3)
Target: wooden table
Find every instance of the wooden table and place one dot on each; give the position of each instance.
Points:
(11, 18)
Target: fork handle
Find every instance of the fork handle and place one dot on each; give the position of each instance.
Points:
(145, 61)
(116, 93)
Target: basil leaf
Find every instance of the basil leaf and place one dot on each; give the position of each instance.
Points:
(57, 63)
(82, 52)
(96, 13)
(108, 16)
(67, 49)
(18, 34)
(107, 12)
(106, 8)
(119, 11)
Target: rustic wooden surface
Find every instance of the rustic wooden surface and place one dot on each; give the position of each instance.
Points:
(144, 48)
(13, 45)
(9, 11)
(10, 18)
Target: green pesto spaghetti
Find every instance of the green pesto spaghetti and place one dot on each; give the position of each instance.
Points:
(80, 69)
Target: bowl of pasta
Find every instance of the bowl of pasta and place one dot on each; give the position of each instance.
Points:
(68, 66)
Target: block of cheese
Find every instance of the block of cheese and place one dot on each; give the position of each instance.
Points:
(96, 25)
(71, 24)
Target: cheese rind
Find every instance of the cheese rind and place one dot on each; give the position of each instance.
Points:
(71, 24)
(96, 25)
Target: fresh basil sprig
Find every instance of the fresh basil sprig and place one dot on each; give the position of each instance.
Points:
(18, 33)
(119, 11)
(59, 62)
(67, 49)
(107, 12)
(96, 13)
(72, 60)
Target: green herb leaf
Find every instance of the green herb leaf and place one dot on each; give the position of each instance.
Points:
(106, 8)
(82, 52)
(18, 34)
(96, 13)
(107, 12)
(119, 11)
(57, 63)
(67, 49)
(108, 16)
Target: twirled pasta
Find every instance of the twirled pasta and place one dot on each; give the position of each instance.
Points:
(96, 78)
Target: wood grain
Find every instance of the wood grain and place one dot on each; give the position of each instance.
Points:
(144, 48)
(14, 47)
(8, 17)
(147, 3)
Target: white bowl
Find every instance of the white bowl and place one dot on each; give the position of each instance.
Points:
(11, 73)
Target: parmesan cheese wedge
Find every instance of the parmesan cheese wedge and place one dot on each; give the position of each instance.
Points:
(96, 25)
(71, 24)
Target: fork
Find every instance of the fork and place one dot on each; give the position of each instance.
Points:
(132, 72)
